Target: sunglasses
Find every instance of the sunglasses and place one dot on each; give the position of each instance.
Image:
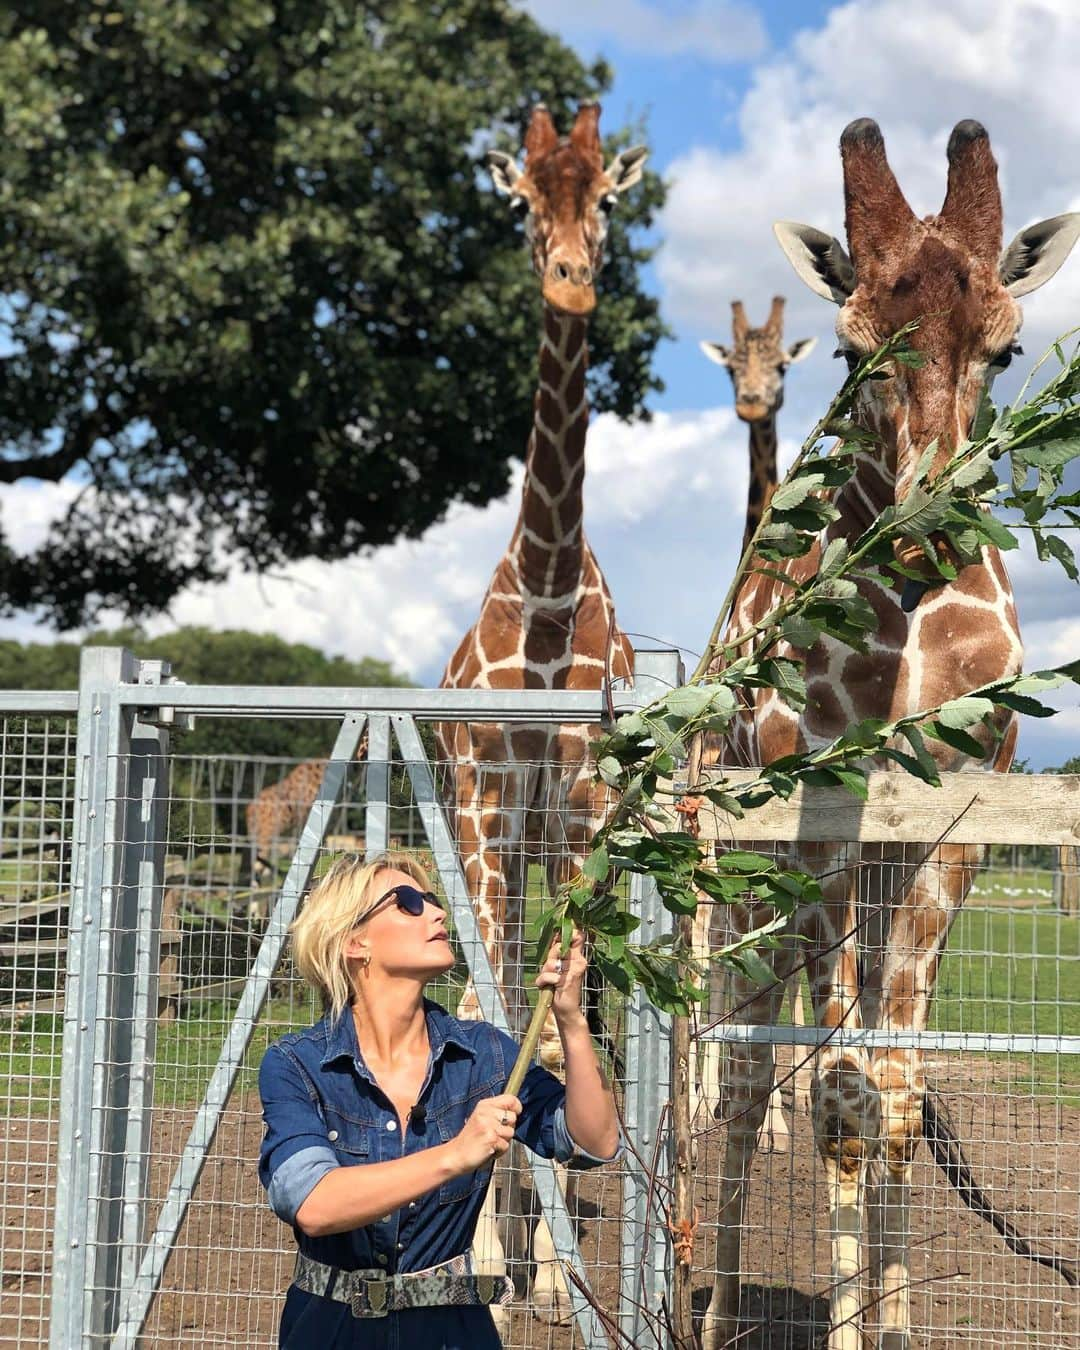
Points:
(407, 898)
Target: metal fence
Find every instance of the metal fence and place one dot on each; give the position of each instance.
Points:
(130, 1212)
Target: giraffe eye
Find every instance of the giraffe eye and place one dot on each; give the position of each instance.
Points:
(519, 207)
(607, 202)
(1004, 359)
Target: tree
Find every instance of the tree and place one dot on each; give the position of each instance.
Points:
(260, 300)
(199, 656)
(1071, 765)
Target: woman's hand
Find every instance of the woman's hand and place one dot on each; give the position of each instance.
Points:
(565, 974)
(487, 1133)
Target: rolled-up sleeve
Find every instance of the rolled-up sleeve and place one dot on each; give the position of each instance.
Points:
(542, 1125)
(294, 1156)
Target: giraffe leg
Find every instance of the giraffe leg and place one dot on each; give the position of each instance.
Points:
(845, 1103)
(916, 940)
(747, 1083)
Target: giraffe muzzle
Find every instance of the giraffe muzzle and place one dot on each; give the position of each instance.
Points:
(569, 286)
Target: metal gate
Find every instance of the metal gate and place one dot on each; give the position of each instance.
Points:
(116, 1226)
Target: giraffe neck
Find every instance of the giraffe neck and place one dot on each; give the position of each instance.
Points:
(762, 474)
(546, 551)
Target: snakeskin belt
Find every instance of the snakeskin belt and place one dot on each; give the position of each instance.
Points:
(374, 1293)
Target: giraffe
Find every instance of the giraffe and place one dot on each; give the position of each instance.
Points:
(278, 812)
(547, 620)
(949, 272)
(757, 362)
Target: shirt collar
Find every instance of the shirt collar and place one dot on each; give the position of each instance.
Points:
(443, 1030)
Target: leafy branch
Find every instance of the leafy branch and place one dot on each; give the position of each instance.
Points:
(943, 523)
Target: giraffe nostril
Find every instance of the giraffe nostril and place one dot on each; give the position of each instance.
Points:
(562, 272)
(585, 275)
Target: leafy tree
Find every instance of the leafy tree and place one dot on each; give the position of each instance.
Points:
(200, 656)
(260, 300)
(1071, 765)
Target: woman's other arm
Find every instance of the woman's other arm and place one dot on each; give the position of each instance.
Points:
(591, 1118)
(351, 1197)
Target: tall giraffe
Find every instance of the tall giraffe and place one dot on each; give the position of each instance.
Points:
(547, 620)
(948, 272)
(757, 362)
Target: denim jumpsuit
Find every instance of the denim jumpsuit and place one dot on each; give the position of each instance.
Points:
(323, 1109)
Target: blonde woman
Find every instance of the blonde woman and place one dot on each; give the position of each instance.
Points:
(384, 1118)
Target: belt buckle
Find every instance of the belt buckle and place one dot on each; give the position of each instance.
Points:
(370, 1299)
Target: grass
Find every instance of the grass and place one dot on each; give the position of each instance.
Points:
(1005, 970)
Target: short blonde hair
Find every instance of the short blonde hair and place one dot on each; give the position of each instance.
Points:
(334, 907)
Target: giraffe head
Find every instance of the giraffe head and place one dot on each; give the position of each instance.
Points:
(948, 272)
(757, 361)
(564, 197)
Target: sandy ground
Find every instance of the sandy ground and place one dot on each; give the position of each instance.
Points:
(223, 1284)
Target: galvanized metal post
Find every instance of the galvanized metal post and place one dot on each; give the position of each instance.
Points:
(645, 1267)
(93, 1092)
(376, 812)
(136, 978)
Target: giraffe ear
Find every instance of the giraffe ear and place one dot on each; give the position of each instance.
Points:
(1037, 252)
(818, 258)
(717, 352)
(799, 351)
(625, 169)
(504, 172)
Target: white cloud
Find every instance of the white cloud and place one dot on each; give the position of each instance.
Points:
(715, 30)
(28, 508)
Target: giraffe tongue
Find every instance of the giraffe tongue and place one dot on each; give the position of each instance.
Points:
(912, 593)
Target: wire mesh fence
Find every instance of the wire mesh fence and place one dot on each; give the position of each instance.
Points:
(999, 1056)
(1012, 969)
(37, 758)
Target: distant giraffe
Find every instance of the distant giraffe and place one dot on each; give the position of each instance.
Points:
(757, 362)
(547, 620)
(278, 813)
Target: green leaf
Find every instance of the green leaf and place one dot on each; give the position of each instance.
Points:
(800, 632)
(964, 712)
(833, 559)
(610, 770)
(795, 491)
(977, 468)
(1060, 550)
(1050, 454)
(596, 865)
(958, 740)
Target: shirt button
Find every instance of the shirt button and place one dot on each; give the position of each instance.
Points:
(412, 1204)
(332, 1135)
(381, 1259)
(391, 1125)
(401, 1246)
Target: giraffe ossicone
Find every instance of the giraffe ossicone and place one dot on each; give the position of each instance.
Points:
(874, 941)
(527, 793)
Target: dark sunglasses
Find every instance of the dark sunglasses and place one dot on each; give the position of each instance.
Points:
(407, 898)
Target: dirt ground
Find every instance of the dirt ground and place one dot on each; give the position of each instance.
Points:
(224, 1282)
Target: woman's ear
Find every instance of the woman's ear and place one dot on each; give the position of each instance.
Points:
(357, 949)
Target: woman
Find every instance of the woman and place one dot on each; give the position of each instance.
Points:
(384, 1118)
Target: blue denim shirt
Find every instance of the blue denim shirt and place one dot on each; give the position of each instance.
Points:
(323, 1109)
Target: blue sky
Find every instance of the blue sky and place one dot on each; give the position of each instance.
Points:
(744, 105)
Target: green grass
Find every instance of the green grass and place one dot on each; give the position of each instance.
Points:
(1019, 972)
(1005, 971)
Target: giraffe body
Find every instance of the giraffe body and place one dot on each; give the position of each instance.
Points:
(872, 958)
(547, 620)
(757, 362)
